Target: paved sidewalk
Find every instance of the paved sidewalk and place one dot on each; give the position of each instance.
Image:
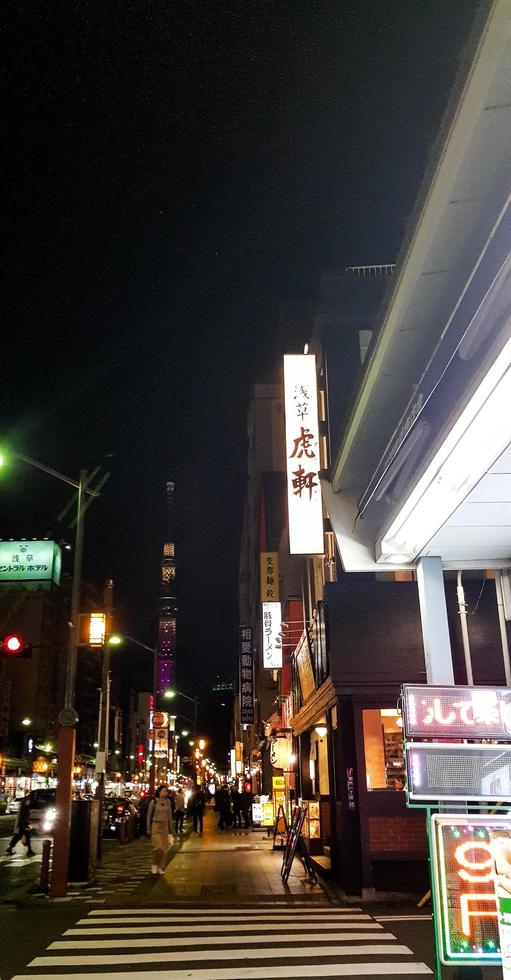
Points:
(230, 866)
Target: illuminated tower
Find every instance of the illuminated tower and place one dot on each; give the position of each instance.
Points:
(167, 602)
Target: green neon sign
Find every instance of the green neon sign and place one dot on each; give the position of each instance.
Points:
(466, 903)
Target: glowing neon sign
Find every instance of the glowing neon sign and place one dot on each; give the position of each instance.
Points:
(466, 904)
(456, 712)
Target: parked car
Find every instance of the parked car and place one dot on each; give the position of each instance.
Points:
(115, 811)
(42, 811)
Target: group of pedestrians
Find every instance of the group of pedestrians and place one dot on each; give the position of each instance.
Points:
(233, 807)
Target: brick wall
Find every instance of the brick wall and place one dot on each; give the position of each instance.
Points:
(398, 834)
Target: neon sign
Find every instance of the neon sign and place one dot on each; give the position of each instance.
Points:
(456, 712)
(465, 900)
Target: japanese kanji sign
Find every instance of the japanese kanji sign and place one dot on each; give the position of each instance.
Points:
(269, 569)
(246, 676)
(272, 635)
(161, 743)
(456, 712)
(305, 509)
(24, 561)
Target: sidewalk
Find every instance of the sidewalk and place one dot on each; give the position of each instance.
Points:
(230, 866)
(227, 867)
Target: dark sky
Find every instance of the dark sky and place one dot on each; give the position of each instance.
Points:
(174, 171)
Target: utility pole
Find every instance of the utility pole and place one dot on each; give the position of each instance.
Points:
(104, 709)
(68, 719)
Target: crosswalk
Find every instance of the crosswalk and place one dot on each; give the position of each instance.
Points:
(260, 942)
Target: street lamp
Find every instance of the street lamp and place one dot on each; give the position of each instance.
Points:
(26, 722)
(172, 693)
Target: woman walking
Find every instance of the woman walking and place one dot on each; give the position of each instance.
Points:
(159, 827)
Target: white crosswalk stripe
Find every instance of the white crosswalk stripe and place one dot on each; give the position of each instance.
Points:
(250, 943)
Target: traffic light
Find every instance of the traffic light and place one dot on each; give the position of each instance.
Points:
(14, 646)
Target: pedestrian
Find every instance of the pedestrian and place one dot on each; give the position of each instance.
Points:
(196, 805)
(179, 810)
(159, 826)
(143, 807)
(22, 828)
(246, 806)
(236, 806)
(224, 808)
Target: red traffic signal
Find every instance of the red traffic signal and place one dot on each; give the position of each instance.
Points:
(14, 646)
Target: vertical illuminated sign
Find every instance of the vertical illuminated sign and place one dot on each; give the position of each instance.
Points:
(466, 904)
(305, 509)
(272, 635)
(97, 629)
(269, 574)
(247, 716)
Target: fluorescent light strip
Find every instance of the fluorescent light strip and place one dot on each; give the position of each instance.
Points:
(475, 442)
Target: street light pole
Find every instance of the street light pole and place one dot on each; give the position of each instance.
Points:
(66, 741)
(75, 595)
(195, 702)
(103, 735)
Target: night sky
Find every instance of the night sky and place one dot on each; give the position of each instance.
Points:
(174, 171)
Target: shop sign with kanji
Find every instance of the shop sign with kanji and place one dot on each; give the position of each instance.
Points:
(305, 508)
(269, 573)
(30, 561)
(246, 676)
(272, 635)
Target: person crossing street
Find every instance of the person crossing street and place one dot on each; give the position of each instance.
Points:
(22, 828)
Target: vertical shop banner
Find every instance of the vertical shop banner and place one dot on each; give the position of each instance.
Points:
(161, 743)
(269, 573)
(305, 508)
(246, 676)
(272, 635)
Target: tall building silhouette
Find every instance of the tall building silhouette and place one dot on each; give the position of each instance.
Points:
(167, 602)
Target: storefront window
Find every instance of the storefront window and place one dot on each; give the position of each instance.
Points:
(383, 747)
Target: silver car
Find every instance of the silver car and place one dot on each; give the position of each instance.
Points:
(42, 811)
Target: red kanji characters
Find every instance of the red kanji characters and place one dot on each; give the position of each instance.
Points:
(303, 444)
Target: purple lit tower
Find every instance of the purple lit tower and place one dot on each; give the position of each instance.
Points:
(167, 603)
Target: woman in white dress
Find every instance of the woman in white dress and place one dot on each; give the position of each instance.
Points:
(159, 826)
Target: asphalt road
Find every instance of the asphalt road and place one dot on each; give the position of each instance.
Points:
(385, 936)
(258, 941)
